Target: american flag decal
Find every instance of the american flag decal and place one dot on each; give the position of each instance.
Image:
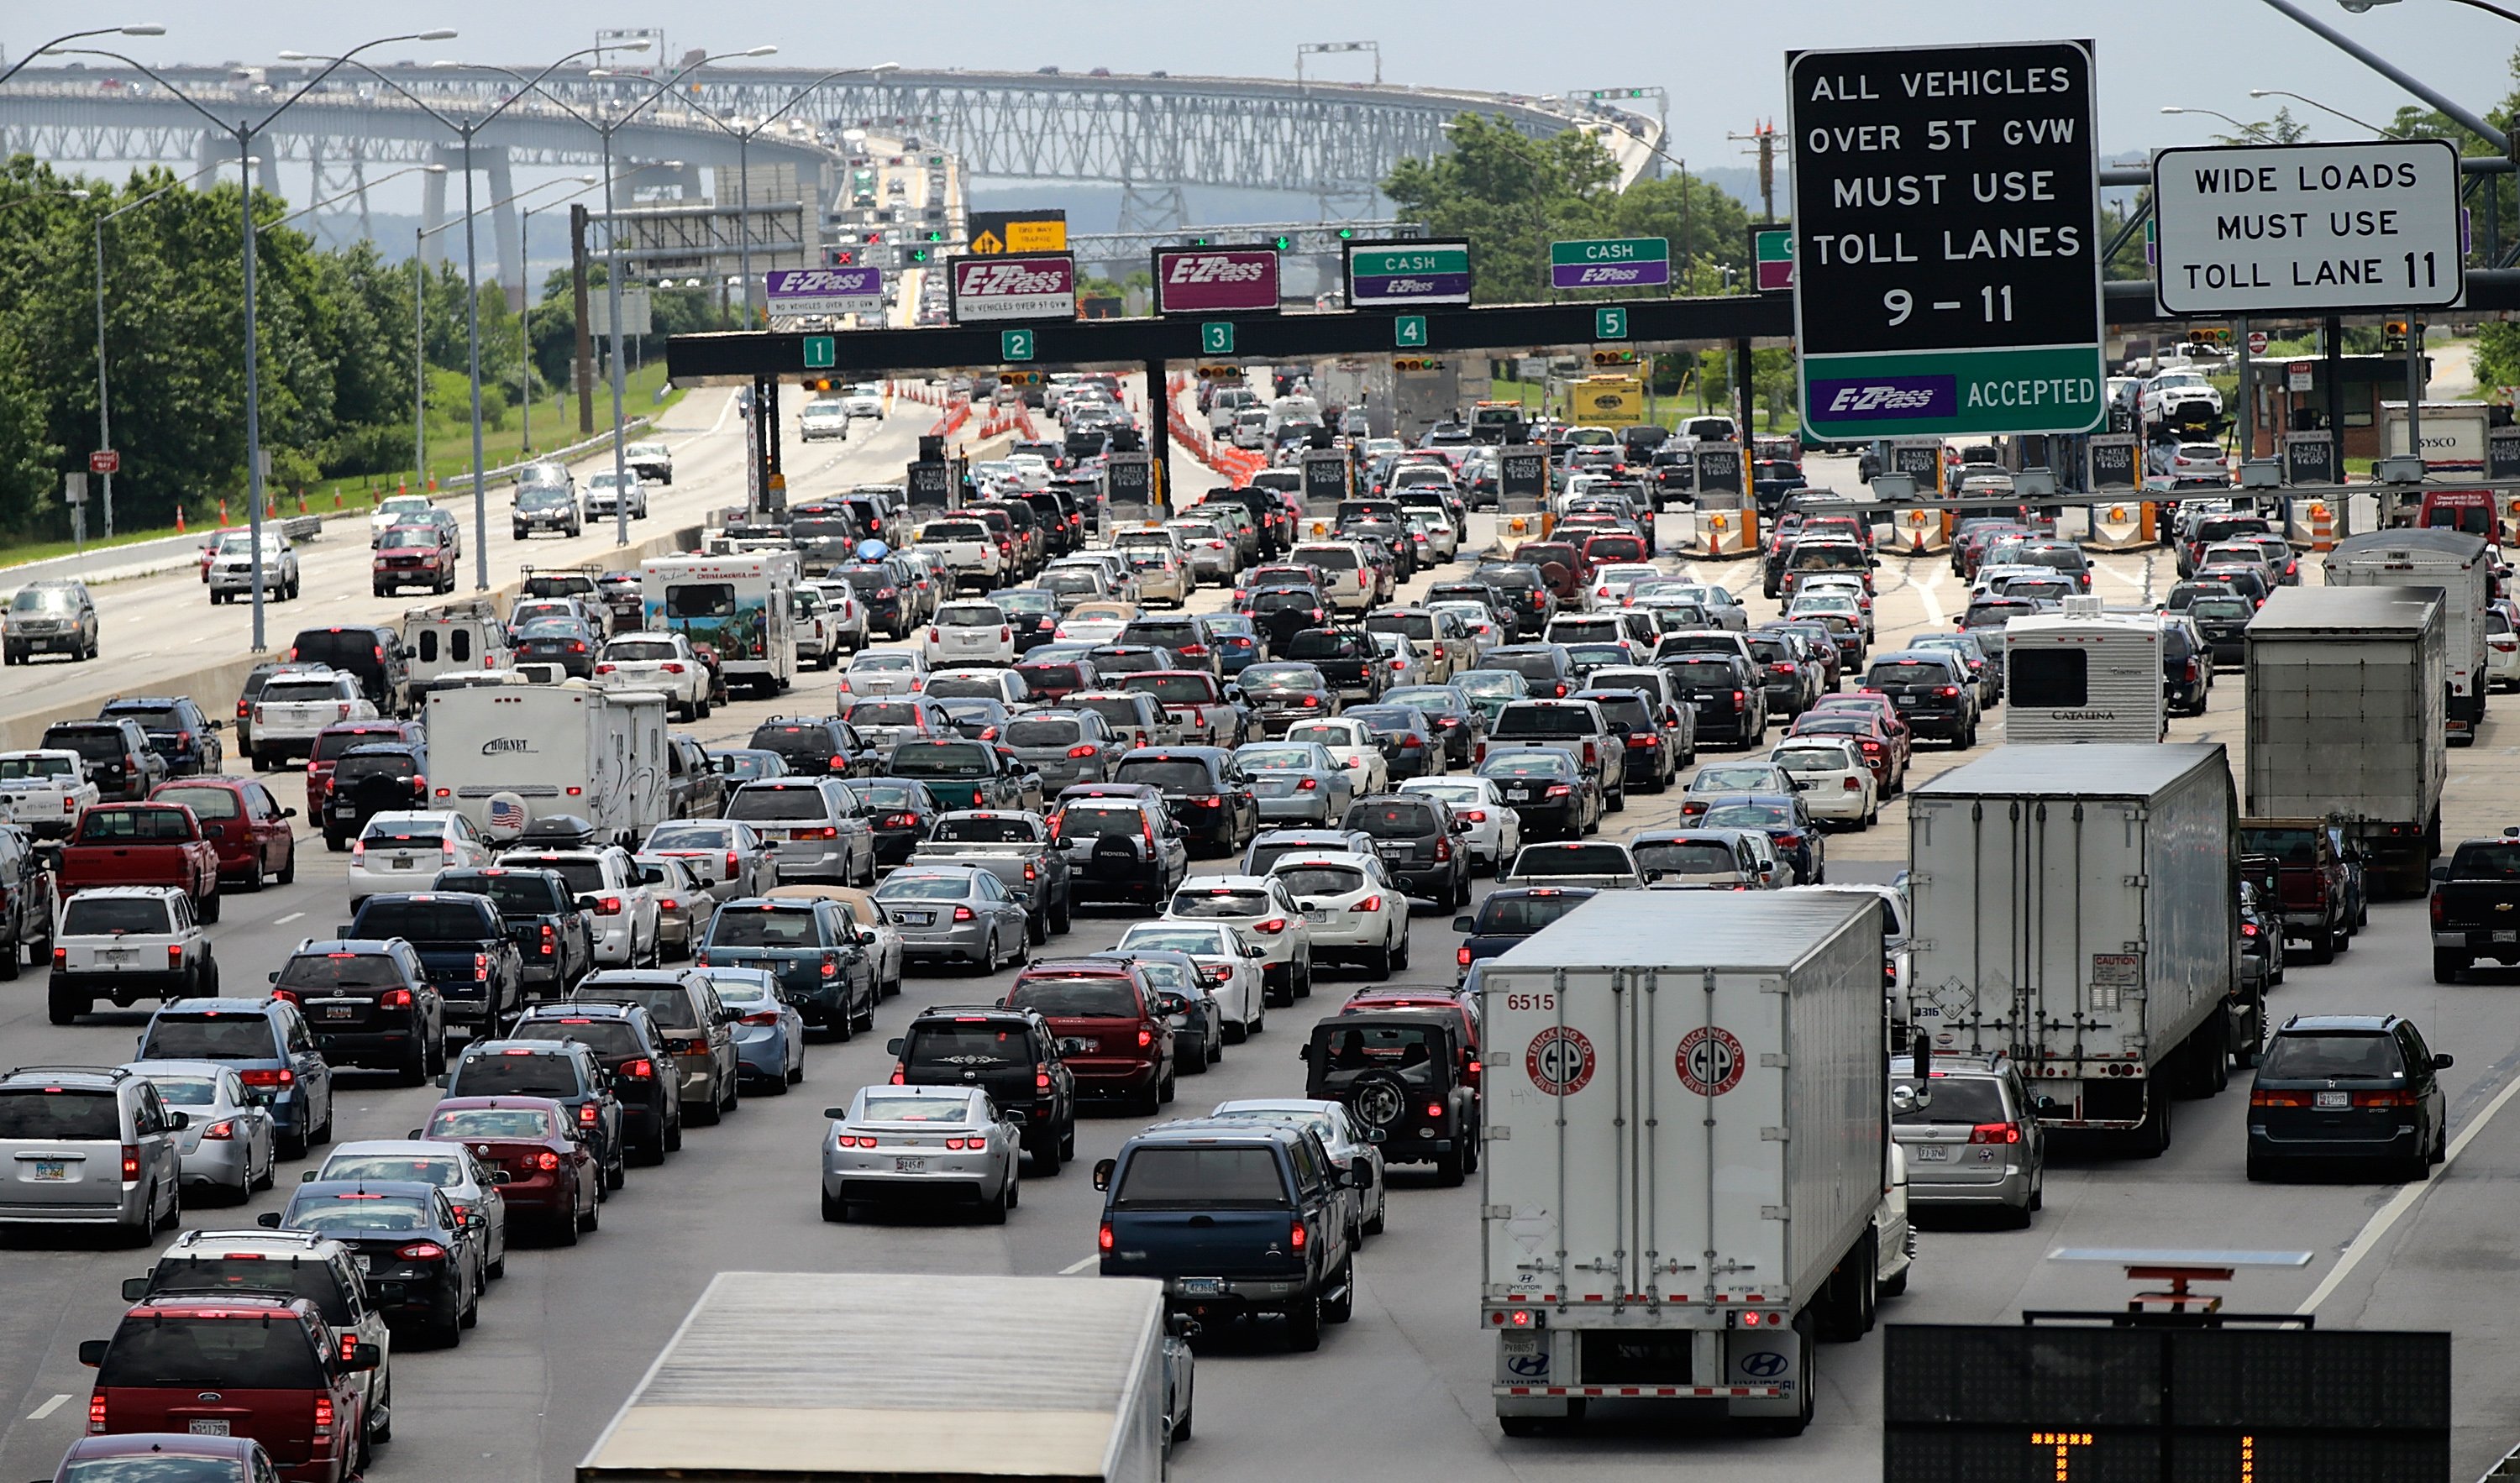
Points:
(507, 813)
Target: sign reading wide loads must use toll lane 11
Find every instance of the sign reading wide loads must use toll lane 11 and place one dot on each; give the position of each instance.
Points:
(1947, 242)
(2308, 228)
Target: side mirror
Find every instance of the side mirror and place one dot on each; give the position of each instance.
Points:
(308, 1176)
(269, 1220)
(893, 1045)
(91, 1352)
(289, 813)
(1462, 825)
(134, 1289)
(2442, 1061)
(363, 1356)
(866, 937)
(1375, 1135)
(1256, 951)
(1304, 1051)
(586, 904)
(1361, 1177)
(445, 1079)
(2440, 872)
(179, 1121)
(499, 1176)
(1465, 923)
(1103, 1173)
(421, 1133)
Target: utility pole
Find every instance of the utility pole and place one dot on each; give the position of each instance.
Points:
(1762, 140)
(585, 340)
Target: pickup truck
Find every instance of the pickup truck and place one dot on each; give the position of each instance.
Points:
(1598, 866)
(1206, 710)
(1017, 849)
(124, 944)
(1213, 1209)
(43, 790)
(2312, 878)
(2476, 905)
(653, 462)
(1507, 916)
(967, 548)
(555, 940)
(1579, 727)
(142, 844)
(464, 945)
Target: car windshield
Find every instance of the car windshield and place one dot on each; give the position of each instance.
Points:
(211, 1036)
(883, 713)
(1758, 816)
(960, 1045)
(351, 1214)
(514, 1073)
(2303, 1056)
(442, 1170)
(1546, 721)
(61, 1113)
(1099, 998)
(232, 1353)
(310, 1278)
(41, 599)
(951, 1111)
(753, 804)
(975, 830)
(690, 837)
(186, 1090)
(1971, 1099)
(1811, 759)
(1261, 758)
(20, 769)
(903, 886)
(767, 926)
(1094, 820)
(1282, 677)
(1055, 731)
(608, 1037)
(1173, 690)
(114, 916)
(1342, 1050)
(1209, 941)
(1521, 914)
(1391, 821)
(342, 970)
(1209, 901)
(1171, 775)
(430, 920)
(2208, 609)
(971, 615)
(508, 1124)
(1526, 765)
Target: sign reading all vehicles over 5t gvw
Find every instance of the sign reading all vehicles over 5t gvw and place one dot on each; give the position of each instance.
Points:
(990, 291)
(1412, 273)
(1611, 262)
(1216, 281)
(2309, 228)
(1946, 250)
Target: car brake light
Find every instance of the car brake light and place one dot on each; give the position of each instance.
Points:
(130, 1163)
(962, 913)
(546, 1161)
(1462, 955)
(1995, 1133)
(268, 1076)
(418, 1251)
(1103, 1241)
(1295, 1236)
(611, 906)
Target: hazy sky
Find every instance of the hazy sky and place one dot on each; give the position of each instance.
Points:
(1722, 62)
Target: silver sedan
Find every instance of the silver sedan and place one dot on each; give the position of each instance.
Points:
(947, 1144)
(228, 1139)
(1296, 781)
(471, 1186)
(954, 913)
(730, 858)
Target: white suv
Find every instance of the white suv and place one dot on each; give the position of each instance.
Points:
(403, 850)
(625, 915)
(125, 943)
(1353, 910)
(1261, 909)
(659, 661)
(968, 632)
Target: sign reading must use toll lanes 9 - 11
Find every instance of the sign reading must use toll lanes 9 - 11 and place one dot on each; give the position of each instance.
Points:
(1947, 240)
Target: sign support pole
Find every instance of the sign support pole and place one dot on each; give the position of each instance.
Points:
(1742, 394)
(2415, 385)
(1159, 436)
(2332, 344)
(2248, 394)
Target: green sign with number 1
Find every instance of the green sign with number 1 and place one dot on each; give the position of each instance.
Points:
(1014, 344)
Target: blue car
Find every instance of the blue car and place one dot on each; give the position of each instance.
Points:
(1237, 641)
(769, 1035)
(268, 1043)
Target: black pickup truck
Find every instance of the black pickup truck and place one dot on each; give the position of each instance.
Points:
(554, 936)
(1237, 1220)
(464, 946)
(2476, 905)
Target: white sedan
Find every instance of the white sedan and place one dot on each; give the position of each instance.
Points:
(1351, 746)
(883, 672)
(1835, 784)
(1496, 829)
(1353, 907)
(397, 510)
(403, 851)
(1230, 965)
(1260, 908)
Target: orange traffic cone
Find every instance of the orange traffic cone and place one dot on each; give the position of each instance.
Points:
(224, 515)
(179, 519)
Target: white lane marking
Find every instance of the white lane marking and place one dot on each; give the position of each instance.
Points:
(47, 1408)
(2135, 582)
(1925, 591)
(2387, 1215)
(1070, 1270)
(285, 921)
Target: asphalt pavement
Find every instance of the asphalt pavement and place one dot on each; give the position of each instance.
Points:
(1401, 1391)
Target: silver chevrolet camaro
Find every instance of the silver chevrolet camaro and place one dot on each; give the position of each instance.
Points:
(944, 1143)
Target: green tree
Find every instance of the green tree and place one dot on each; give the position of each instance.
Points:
(1509, 196)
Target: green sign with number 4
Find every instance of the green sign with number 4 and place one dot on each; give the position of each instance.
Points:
(1014, 344)
(1216, 337)
(1409, 331)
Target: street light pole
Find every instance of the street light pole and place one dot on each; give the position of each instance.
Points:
(2276, 92)
(743, 138)
(524, 317)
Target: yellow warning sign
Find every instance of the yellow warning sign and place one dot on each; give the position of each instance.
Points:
(986, 245)
(1037, 235)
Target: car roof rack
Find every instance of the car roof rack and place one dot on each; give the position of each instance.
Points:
(115, 1073)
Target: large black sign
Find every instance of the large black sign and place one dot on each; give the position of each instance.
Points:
(1920, 461)
(2503, 454)
(1523, 474)
(1718, 467)
(2115, 462)
(1131, 479)
(2056, 1404)
(930, 483)
(1327, 477)
(2309, 458)
(1943, 197)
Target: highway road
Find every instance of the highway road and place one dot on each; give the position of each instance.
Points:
(566, 1335)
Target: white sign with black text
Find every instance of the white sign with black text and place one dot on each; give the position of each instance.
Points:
(2309, 228)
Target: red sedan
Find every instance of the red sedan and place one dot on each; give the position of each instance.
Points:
(248, 825)
(1880, 749)
(551, 1174)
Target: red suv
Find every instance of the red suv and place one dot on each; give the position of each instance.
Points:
(414, 555)
(241, 817)
(550, 1172)
(265, 1367)
(1114, 1035)
(338, 737)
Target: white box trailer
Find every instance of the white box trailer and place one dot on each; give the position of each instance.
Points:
(2344, 702)
(854, 1377)
(2075, 908)
(2461, 566)
(736, 603)
(2083, 675)
(1686, 1143)
(506, 756)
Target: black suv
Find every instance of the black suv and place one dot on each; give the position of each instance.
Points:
(814, 747)
(1202, 787)
(370, 1003)
(1346, 658)
(568, 1073)
(1185, 635)
(373, 653)
(1547, 668)
(555, 940)
(116, 754)
(1934, 692)
(1731, 701)
(372, 778)
(1010, 1054)
(1791, 689)
(632, 1049)
(177, 730)
(1416, 834)
(2355, 1088)
(464, 944)
(1398, 1073)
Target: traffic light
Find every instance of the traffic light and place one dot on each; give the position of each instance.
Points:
(933, 233)
(1282, 243)
(1418, 363)
(842, 257)
(1614, 357)
(870, 239)
(1220, 372)
(818, 384)
(1347, 234)
(1019, 378)
(1200, 242)
(916, 254)
(2395, 329)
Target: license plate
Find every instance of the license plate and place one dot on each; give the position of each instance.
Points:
(52, 1169)
(1932, 1154)
(916, 918)
(403, 862)
(2333, 1099)
(1517, 794)
(910, 1166)
(1203, 1287)
(1907, 699)
(1312, 914)
(340, 1011)
(363, 1262)
(208, 1428)
(122, 955)
(2512, 935)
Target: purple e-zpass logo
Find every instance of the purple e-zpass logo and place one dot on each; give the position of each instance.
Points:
(1874, 397)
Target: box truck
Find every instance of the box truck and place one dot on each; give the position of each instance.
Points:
(854, 1377)
(506, 756)
(2075, 908)
(2344, 702)
(2083, 675)
(735, 603)
(2461, 566)
(1688, 1146)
